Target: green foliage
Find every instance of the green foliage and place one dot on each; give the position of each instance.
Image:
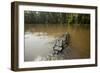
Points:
(46, 18)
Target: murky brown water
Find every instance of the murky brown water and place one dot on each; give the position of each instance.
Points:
(39, 41)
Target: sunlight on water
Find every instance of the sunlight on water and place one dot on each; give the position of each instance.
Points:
(39, 44)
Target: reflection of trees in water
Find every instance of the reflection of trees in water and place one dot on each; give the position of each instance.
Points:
(52, 29)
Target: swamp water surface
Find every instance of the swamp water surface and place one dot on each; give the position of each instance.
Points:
(39, 42)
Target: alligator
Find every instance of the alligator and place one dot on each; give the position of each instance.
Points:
(61, 43)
